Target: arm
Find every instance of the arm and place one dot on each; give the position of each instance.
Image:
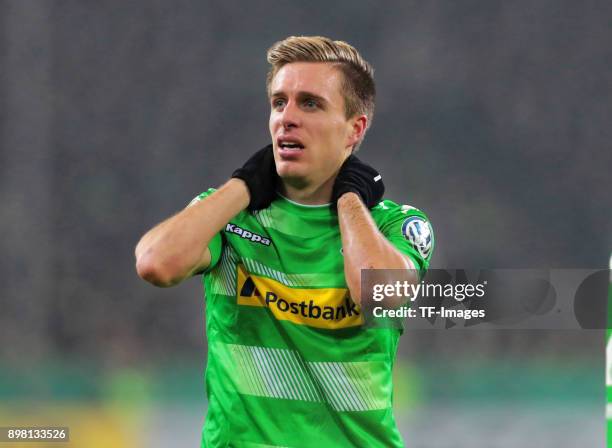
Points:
(178, 247)
(364, 247)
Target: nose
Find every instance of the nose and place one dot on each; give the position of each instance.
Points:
(290, 116)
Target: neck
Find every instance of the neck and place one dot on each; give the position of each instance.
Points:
(308, 194)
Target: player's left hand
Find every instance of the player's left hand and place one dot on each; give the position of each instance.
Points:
(358, 177)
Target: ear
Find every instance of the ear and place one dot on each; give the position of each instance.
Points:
(359, 124)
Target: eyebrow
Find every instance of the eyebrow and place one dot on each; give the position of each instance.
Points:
(300, 95)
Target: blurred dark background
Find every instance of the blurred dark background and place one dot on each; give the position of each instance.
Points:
(492, 117)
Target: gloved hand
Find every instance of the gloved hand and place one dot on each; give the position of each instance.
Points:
(359, 178)
(259, 174)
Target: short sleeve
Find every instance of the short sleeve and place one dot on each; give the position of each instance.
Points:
(409, 230)
(216, 244)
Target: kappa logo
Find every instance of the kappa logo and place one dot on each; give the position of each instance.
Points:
(246, 234)
(418, 231)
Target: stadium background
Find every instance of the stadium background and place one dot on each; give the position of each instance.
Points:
(493, 117)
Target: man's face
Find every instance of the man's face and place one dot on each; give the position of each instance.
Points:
(310, 132)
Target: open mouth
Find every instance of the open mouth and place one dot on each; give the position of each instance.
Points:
(290, 144)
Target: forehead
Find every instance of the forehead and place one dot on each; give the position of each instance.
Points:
(320, 78)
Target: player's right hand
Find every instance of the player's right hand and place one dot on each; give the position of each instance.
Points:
(259, 174)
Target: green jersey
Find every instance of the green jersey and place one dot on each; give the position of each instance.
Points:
(290, 363)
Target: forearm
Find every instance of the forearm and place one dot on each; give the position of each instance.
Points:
(363, 245)
(174, 249)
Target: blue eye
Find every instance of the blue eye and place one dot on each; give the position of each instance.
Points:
(311, 104)
(279, 102)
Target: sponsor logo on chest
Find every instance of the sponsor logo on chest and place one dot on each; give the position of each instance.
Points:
(330, 308)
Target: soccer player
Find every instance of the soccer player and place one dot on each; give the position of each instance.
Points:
(281, 247)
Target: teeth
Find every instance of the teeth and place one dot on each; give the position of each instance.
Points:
(290, 145)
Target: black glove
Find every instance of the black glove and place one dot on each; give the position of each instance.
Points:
(259, 173)
(359, 178)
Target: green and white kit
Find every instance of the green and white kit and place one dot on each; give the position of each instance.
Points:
(290, 363)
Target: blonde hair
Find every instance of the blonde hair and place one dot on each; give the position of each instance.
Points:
(358, 88)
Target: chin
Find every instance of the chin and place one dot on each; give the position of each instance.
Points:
(294, 178)
(290, 171)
